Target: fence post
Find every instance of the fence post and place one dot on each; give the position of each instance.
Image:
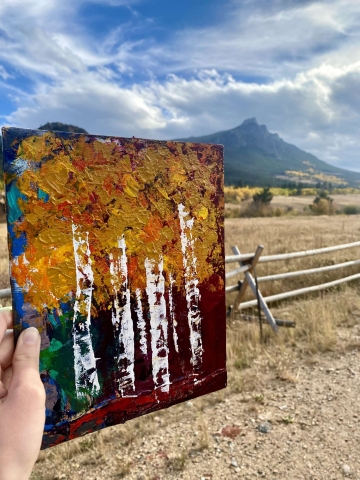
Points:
(253, 263)
(249, 280)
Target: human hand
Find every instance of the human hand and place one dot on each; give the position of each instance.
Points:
(22, 401)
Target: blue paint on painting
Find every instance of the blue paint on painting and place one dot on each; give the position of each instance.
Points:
(13, 195)
(43, 195)
(18, 300)
(55, 314)
(66, 307)
(18, 167)
(17, 242)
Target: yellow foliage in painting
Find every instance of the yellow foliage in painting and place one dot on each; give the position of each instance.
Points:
(108, 190)
(203, 213)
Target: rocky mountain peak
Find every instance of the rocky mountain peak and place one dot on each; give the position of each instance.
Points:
(249, 121)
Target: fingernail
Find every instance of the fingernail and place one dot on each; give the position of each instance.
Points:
(30, 336)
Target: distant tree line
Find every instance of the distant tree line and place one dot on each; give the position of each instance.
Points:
(290, 185)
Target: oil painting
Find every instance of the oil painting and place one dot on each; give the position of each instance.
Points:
(117, 257)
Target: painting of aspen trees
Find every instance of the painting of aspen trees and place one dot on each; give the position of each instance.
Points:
(117, 257)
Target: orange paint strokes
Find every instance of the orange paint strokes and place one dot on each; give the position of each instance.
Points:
(102, 265)
(20, 271)
(31, 252)
(94, 197)
(152, 231)
(79, 163)
(107, 185)
(132, 188)
(64, 208)
(40, 284)
(86, 219)
(136, 274)
(143, 200)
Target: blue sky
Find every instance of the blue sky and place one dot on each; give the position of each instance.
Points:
(164, 69)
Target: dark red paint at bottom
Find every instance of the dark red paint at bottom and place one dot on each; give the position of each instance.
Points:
(123, 409)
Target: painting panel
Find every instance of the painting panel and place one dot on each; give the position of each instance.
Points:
(117, 257)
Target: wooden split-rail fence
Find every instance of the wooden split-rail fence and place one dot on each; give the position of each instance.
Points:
(247, 267)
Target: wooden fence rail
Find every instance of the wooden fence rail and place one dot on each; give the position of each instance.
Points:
(248, 263)
(288, 256)
(282, 276)
(301, 291)
(5, 293)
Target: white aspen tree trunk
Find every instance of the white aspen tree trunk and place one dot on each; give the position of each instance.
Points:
(86, 377)
(191, 281)
(155, 289)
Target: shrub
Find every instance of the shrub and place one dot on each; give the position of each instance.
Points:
(323, 204)
(257, 210)
(264, 197)
(351, 210)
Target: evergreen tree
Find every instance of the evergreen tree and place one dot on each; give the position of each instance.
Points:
(263, 197)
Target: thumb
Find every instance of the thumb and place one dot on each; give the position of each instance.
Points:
(25, 363)
(22, 413)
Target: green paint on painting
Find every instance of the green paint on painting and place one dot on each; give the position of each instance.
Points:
(13, 194)
(52, 320)
(55, 345)
(61, 367)
(53, 374)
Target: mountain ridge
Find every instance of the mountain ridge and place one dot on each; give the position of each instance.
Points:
(253, 155)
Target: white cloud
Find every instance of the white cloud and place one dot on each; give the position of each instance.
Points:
(47, 38)
(272, 43)
(4, 74)
(305, 111)
(296, 69)
(91, 102)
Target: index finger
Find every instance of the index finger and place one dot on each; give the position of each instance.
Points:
(6, 321)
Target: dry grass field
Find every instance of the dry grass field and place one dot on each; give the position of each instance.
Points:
(299, 203)
(290, 234)
(4, 259)
(283, 379)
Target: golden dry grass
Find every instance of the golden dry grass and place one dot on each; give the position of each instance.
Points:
(4, 258)
(296, 204)
(318, 316)
(300, 202)
(290, 234)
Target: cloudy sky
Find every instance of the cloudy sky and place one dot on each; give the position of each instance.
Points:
(166, 69)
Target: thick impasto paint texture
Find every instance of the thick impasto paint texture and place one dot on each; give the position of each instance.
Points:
(117, 257)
